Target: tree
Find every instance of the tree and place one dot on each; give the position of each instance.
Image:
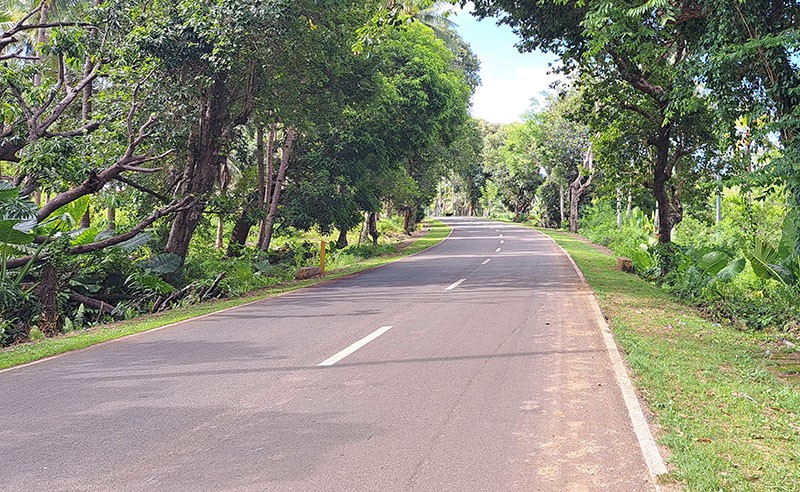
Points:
(562, 142)
(511, 161)
(651, 50)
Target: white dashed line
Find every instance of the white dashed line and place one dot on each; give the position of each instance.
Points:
(497, 250)
(487, 260)
(352, 348)
(455, 284)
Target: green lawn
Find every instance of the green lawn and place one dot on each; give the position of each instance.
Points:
(29, 352)
(729, 423)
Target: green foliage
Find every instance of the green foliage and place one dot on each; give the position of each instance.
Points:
(18, 308)
(781, 264)
(162, 263)
(710, 268)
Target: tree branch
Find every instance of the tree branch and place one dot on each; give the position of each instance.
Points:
(144, 189)
(101, 306)
(631, 74)
(88, 128)
(638, 109)
(177, 206)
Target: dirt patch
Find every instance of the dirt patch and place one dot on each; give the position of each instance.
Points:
(787, 367)
(400, 246)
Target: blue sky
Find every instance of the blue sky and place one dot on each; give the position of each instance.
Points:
(510, 78)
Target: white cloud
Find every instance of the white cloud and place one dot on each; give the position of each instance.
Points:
(504, 100)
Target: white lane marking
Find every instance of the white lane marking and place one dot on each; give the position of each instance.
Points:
(501, 235)
(502, 242)
(497, 250)
(487, 260)
(455, 284)
(655, 463)
(352, 348)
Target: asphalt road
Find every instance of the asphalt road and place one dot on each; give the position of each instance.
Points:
(501, 382)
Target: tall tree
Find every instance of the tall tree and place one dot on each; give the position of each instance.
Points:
(645, 54)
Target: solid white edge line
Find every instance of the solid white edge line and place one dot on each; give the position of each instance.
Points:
(647, 444)
(487, 260)
(455, 284)
(352, 348)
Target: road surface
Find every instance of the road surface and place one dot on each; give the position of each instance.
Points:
(476, 365)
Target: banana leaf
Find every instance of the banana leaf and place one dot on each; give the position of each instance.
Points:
(732, 269)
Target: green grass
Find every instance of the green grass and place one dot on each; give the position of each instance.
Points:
(30, 352)
(729, 423)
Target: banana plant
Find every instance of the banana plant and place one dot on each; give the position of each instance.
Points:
(704, 270)
(781, 263)
(17, 220)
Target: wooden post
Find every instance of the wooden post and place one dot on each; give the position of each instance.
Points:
(322, 257)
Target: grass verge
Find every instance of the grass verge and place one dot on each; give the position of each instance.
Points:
(729, 423)
(33, 351)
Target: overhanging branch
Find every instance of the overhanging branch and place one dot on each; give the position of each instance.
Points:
(177, 206)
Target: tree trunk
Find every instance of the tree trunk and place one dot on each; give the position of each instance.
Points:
(86, 115)
(220, 231)
(276, 193)
(41, 36)
(46, 294)
(561, 203)
(261, 186)
(670, 210)
(372, 224)
(574, 200)
(630, 204)
(409, 222)
(86, 219)
(111, 219)
(578, 187)
(266, 198)
(202, 165)
(619, 208)
(719, 201)
(241, 229)
(341, 242)
(364, 230)
(86, 97)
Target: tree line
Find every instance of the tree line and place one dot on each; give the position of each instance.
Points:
(663, 83)
(673, 137)
(137, 134)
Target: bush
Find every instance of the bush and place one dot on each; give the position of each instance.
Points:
(728, 290)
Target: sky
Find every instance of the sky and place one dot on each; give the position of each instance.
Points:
(510, 78)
